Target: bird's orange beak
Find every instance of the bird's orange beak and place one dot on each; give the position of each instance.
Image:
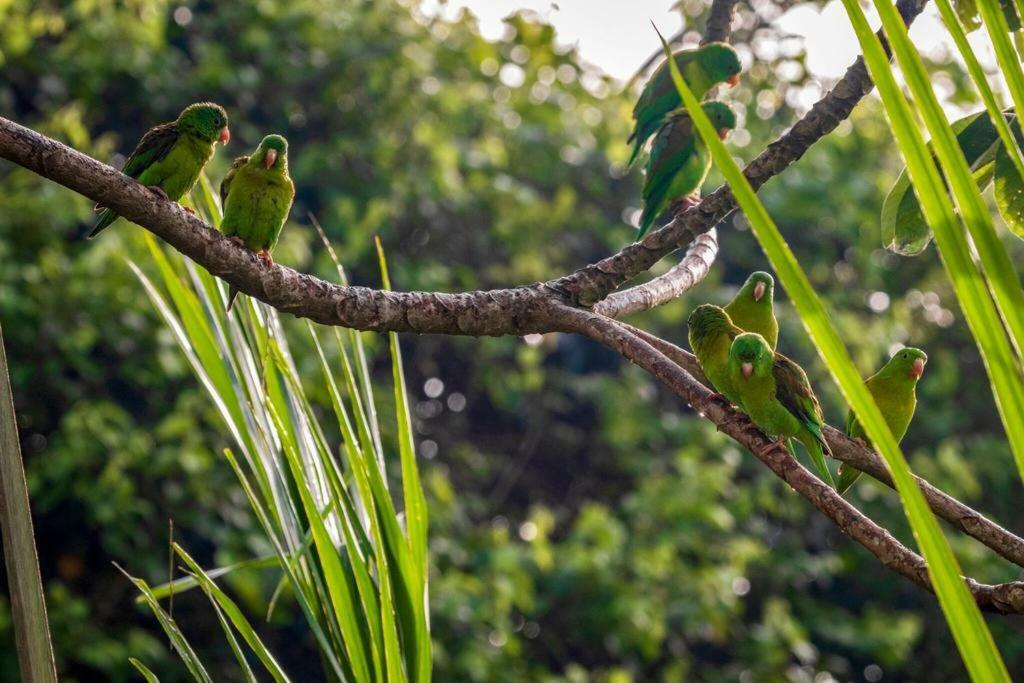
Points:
(917, 369)
(733, 80)
(723, 133)
(759, 289)
(270, 158)
(747, 369)
(225, 135)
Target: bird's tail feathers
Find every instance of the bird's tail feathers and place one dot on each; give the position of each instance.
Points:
(232, 294)
(106, 218)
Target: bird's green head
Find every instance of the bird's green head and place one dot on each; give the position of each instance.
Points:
(759, 288)
(272, 153)
(723, 118)
(907, 362)
(721, 63)
(207, 121)
(750, 356)
(708, 320)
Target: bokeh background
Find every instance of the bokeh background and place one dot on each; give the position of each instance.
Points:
(585, 526)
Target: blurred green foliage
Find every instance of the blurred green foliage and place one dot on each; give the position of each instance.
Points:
(584, 525)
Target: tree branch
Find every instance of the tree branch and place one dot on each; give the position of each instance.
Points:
(592, 283)
(719, 21)
(515, 311)
(682, 277)
(1005, 598)
(961, 516)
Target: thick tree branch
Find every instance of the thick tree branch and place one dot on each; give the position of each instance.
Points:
(592, 283)
(1006, 598)
(961, 516)
(681, 278)
(516, 311)
(719, 21)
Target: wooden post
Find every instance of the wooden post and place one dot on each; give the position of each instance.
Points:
(28, 606)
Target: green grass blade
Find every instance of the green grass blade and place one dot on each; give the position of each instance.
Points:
(1006, 56)
(977, 73)
(187, 583)
(1003, 367)
(234, 615)
(416, 516)
(962, 614)
(170, 627)
(144, 670)
(339, 591)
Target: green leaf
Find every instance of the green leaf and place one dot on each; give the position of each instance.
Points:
(904, 229)
(1009, 193)
(967, 11)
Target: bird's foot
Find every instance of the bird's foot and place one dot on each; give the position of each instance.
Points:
(683, 203)
(264, 256)
(158, 191)
(237, 241)
(771, 446)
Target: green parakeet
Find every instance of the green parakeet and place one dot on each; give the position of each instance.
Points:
(257, 194)
(753, 308)
(170, 157)
(701, 68)
(894, 389)
(711, 334)
(776, 395)
(680, 160)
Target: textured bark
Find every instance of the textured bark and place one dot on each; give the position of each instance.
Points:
(519, 310)
(681, 278)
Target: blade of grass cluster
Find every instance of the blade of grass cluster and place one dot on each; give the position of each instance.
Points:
(349, 524)
(170, 627)
(1003, 280)
(977, 73)
(962, 614)
(234, 615)
(1006, 56)
(416, 515)
(344, 605)
(394, 554)
(415, 503)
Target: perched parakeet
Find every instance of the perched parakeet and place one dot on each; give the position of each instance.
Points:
(680, 160)
(701, 68)
(775, 394)
(753, 308)
(170, 157)
(711, 334)
(894, 389)
(257, 194)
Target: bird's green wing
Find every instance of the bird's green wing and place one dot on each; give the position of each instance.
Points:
(673, 147)
(272, 242)
(225, 185)
(154, 146)
(793, 391)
